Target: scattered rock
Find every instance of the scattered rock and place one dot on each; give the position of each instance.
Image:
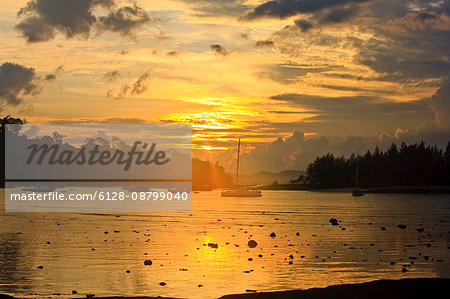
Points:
(128, 271)
(40, 267)
(252, 244)
(402, 226)
(250, 259)
(148, 262)
(250, 291)
(200, 285)
(273, 235)
(420, 230)
(334, 221)
(162, 283)
(298, 234)
(404, 270)
(382, 228)
(74, 292)
(213, 245)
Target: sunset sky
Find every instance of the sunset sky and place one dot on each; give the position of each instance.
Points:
(293, 79)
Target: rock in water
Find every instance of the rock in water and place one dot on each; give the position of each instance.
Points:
(334, 221)
(148, 262)
(252, 244)
(213, 245)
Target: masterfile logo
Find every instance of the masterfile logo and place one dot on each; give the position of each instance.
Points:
(99, 168)
(53, 155)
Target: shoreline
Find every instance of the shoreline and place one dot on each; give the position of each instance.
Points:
(395, 289)
(392, 189)
(398, 289)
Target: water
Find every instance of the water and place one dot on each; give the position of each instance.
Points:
(177, 244)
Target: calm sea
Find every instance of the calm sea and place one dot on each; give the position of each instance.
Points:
(51, 254)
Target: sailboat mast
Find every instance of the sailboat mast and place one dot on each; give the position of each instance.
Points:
(237, 169)
(357, 160)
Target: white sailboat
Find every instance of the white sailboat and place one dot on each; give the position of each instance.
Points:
(240, 192)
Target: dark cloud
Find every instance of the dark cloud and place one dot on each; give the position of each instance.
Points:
(42, 19)
(358, 115)
(440, 104)
(245, 35)
(112, 76)
(124, 20)
(356, 106)
(50, 77)
(173, 53)
(303, 24)
(287, 8)
(288, 73)
(264, 43)
(138, 87)
(53, 76)
(425, 16)
(287, 112)
(400, 49)
(17, 81)
(111, 120)
(214, 8)
(218, 49)
(141, 84)
(336, 15)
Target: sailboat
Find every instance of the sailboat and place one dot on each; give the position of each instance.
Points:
(357, 191)
(240, 192)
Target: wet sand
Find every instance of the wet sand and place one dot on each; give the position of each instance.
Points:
(403, 288)
(396, 289)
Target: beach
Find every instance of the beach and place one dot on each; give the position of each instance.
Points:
(207, 253)
(396, 289)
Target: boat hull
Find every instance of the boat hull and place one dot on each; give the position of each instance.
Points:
(241, 193)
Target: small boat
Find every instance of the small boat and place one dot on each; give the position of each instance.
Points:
(357, 191)
(240, 192)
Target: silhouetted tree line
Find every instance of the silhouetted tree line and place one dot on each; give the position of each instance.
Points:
(409, 165)
(4, 121)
